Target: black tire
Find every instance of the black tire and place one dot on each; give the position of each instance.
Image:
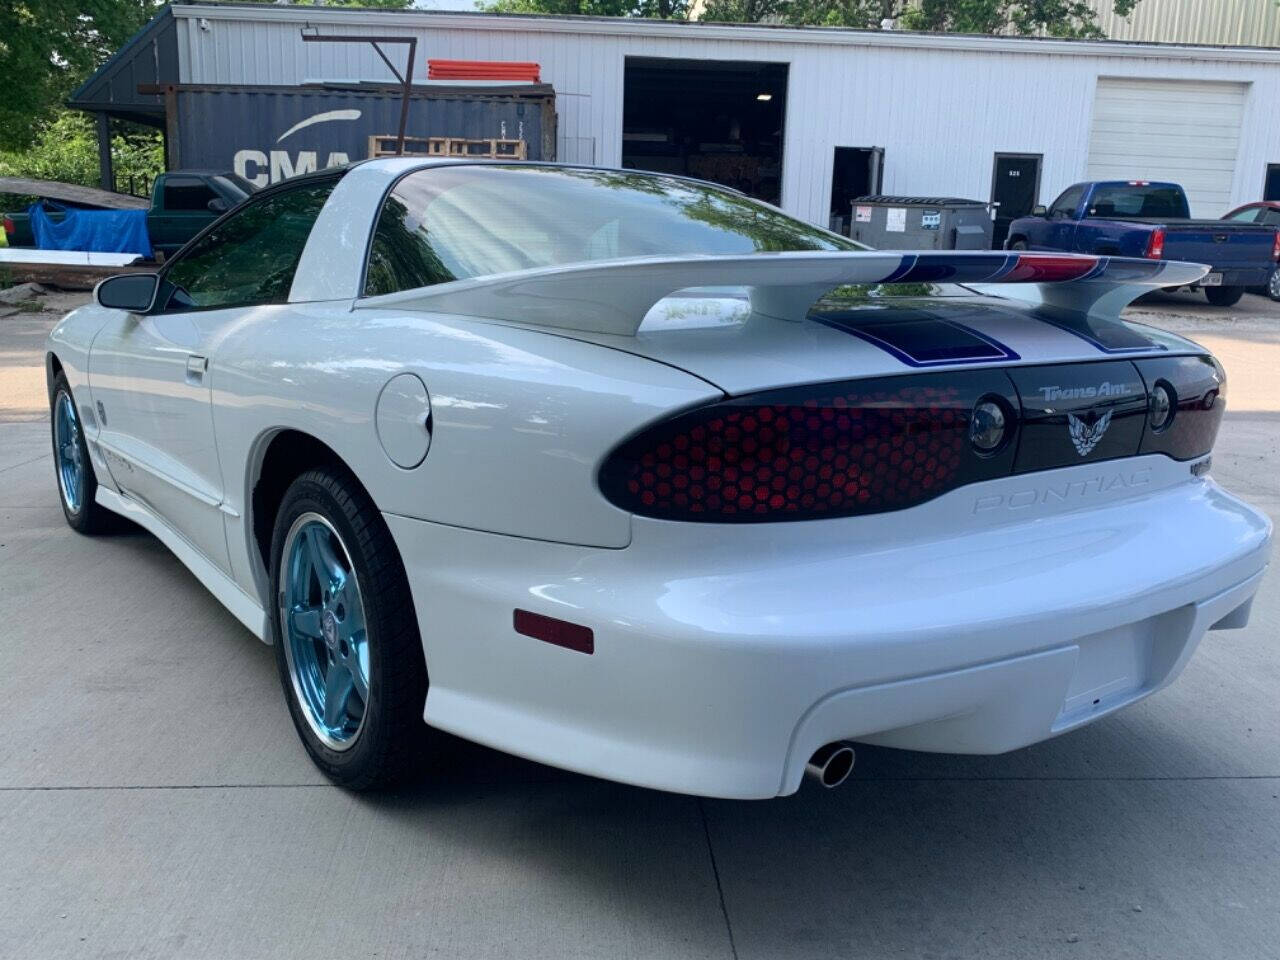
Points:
(392, 741)
(1272, 288)
(84, 514)
(1020, 245)
(1224, 296)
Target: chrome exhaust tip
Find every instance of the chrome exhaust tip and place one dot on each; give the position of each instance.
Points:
(830, 765)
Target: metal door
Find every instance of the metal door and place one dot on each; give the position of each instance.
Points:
(1015, 189)
(149, 377)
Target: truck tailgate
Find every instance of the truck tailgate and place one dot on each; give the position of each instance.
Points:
(1221, 244)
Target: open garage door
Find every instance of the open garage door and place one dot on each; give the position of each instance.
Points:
(718, 120)
(1187, 132)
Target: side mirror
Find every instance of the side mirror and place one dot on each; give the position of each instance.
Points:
(134, 292)
(217, 205)
(1039, 210)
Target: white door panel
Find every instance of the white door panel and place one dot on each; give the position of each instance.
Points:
(149, 376)
(1184, 131)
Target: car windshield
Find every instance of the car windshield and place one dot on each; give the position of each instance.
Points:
(235, 186)
(452, 223)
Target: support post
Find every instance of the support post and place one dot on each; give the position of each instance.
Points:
(406, 81)
(172, 159)
(106, 173)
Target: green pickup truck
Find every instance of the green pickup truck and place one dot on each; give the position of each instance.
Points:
(183, 202)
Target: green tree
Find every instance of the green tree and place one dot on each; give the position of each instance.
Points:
(1055, 18)
(655, 9)
(66, 149)
(48, 47)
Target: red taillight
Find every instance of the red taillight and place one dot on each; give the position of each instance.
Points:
(1275, 247)
(1155, 246)
(9, 227)
(802, 453)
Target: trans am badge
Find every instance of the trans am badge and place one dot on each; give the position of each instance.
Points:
(1086, 436)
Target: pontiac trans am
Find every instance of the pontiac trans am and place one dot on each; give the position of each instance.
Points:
(635, 476)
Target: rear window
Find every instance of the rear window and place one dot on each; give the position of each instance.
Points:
(1125, 200)
(453, 223)
(187, 194)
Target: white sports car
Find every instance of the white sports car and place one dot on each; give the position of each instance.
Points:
(601, 455)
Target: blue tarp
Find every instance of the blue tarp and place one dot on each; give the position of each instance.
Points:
(103, 231)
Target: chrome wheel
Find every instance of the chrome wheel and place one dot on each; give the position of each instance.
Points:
(1273, 285)
(66, 426)
(323, 628)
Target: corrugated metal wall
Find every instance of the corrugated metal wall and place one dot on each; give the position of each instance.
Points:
(1236, 22)
(940, 111)
(269, 135)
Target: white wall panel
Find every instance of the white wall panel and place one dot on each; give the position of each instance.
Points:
(940, 106)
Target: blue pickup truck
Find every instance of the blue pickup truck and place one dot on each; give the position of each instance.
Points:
(1141, 218)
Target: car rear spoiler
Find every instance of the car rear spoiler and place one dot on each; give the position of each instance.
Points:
(613, 296)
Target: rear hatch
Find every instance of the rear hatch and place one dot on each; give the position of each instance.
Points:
(871, 407)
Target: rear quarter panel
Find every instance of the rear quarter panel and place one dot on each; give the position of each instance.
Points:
(520, 419)
(70, 342)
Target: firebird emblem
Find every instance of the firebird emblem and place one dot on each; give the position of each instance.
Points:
(1084, 436)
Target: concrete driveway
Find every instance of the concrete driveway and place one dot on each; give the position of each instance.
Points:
(155, 802)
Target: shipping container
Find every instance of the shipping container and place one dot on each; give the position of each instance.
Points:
(266, 134)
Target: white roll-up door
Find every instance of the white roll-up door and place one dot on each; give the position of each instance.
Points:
(1179, 130)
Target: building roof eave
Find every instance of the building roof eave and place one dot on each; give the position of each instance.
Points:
(79, 98)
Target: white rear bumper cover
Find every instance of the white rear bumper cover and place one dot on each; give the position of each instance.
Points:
(725, 657)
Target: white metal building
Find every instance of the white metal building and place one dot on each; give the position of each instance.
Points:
(924, 115)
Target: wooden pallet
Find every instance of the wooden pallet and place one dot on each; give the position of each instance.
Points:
(495, 149)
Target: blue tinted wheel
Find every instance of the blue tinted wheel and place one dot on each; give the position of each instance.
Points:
(322, 618)
(77, 486)
(346, 638)
(68, 453)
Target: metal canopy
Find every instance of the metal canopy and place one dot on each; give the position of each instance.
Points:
(150, 57)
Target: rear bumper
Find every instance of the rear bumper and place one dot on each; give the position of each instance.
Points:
(1246, 277)
(725, 657)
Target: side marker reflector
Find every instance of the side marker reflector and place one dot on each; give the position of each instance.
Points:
(571, 636)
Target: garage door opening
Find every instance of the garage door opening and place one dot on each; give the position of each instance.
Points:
(1271, 188)
(716, 120)
(855, 172)
(1179, 130)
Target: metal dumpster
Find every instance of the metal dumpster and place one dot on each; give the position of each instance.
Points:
(921, 223)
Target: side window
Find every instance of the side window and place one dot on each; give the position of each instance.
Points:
(401, 256)
(1066, 204)
(186, 193)
(1272, 218)
(1248, 215)
(250, 258)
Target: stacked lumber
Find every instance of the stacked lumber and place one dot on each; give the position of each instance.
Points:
(508, 70)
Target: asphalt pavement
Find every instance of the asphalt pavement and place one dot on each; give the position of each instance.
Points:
(155, 801)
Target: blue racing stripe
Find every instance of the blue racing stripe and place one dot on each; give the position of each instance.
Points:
(921, 341)
(1109, 336)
